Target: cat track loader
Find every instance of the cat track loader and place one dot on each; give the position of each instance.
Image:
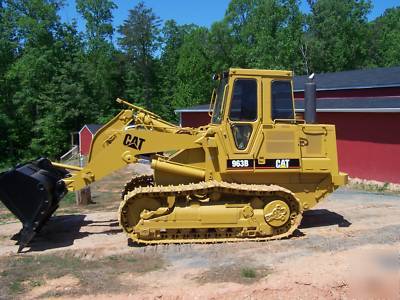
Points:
(248, 175)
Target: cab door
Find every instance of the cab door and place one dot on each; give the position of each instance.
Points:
(243, 122)
(280, 149)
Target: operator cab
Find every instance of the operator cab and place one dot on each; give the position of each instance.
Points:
(245, 99)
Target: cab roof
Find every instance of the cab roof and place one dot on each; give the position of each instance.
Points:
(261, 72)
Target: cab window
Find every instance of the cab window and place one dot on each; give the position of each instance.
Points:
(218, 110)
(243, 111)
(244, 100)
(282, 102)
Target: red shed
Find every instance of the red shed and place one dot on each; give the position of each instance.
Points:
(86, 136)
(365, 107)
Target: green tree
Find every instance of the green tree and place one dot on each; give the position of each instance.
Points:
(36, 25)
(8, 40)
(194, 70)
(267, 33)
(339, 34)
(220, 44)
(140, 39)
(8, 55)
(65, 99)
(173, 36)
(239, 16)
(290, 37)
(276, 30)
(98, 17)
(385, 50)
(102, 68)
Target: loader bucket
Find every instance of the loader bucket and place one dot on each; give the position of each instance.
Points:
(32, 192)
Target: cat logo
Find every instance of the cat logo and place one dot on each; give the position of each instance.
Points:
(282, 163)
(133, 141)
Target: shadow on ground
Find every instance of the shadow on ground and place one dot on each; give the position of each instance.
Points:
(62, 231)
(321, 218)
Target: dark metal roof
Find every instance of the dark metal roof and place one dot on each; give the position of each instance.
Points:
(373, 104)
(361, 104)
(355, 79)
(93, 128)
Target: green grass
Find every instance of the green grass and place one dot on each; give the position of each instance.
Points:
(372, 187)
(384, 187)
(5, 215)
(248, 273)
(24, 272)
(6, 218)
(69, 199)
(233, 273)
(16, 287)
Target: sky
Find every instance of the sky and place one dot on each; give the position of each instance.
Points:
(200, 12)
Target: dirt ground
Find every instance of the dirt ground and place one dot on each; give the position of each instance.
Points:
(348, 247)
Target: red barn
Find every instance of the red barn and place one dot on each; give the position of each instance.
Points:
(365, 107)
(86, 136)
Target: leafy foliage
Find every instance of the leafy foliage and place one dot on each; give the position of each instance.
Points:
(339, 34)
(140, 41)
(385, 38)
(54, 79)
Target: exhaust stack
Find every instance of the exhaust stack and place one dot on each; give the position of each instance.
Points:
(310, 101)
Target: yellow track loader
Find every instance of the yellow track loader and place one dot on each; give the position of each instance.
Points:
(248, 175)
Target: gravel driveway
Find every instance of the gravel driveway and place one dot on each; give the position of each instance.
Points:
(348, 247)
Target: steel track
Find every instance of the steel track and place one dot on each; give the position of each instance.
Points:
(196, 235)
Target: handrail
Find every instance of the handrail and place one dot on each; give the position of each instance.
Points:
(69, 167)
(69, 152)
(138, 108)
(146, 112)
(295, 121)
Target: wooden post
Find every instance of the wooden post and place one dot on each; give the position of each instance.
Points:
(84, 196)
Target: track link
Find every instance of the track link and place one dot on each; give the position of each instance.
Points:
(137, 181)
(207, 235)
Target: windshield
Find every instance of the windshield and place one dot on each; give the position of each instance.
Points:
(218, 111)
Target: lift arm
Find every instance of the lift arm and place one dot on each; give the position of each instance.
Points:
(121, 141)
(32, 191)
